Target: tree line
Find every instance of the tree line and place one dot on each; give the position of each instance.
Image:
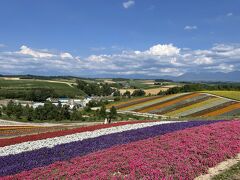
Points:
(135, 93)
(50, 111)
(104, 89)
(101, 89)
(46, 112)
(38, 94)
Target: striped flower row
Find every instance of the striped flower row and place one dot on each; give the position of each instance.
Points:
(170, 154)
(64, 148)
(51, 142)
(16, 140)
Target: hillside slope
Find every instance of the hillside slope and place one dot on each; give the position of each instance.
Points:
(184, 105)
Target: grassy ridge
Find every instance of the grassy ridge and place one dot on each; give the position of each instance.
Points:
(11, 84)
(24, 86)
(228, 94)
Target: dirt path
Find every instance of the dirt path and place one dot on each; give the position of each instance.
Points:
(63, 82)
(219, 168)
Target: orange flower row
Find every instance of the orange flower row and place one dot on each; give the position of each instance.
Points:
(226, 109)
(161, 105)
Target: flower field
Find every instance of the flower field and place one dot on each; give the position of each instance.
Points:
(184, 105)
(13, 131)
(124, 150)
(151, 102)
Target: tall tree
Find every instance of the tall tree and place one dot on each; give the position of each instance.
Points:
(112, 114)
(103, 112)
(18, 111)
(76, 115)
(29, 112)
(10, 108)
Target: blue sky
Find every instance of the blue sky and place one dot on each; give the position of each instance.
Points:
(99, 36)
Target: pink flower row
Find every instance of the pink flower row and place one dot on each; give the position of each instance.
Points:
(182, 154)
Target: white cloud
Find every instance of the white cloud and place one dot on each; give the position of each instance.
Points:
(229, 14)
(203, 60)
(163, 50)
(175, 62)
(94, 58)
(66, 55)
(222, 68)
(190, 28)
(128, 4)
(37, 54)
(158, 60)
(231, 51)
(222, 47)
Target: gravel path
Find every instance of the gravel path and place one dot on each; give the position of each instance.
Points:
(219, 168)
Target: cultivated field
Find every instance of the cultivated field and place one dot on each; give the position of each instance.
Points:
(228, 94)
(20, 86)
(152, 91)
(183, 105)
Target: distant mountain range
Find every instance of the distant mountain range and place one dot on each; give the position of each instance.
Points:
(217, 76)
(206, 76)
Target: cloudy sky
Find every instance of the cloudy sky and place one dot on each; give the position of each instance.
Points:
(119, 37)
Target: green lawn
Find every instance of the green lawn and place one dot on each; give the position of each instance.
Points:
(228, 94)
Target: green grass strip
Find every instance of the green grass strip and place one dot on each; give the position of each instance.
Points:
(228, 94)
(229, 174)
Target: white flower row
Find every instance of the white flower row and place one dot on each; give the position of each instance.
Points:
(51, 142)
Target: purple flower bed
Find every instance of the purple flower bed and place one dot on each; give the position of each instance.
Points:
(46, 156)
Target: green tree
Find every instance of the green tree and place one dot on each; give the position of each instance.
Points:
(76, 115)
(65, 114)
(112, 114)
(81, 84)
(138, 92)
(29, 113)
(117, 93)
(18, 110)
(103, 112)
(40, 94)
(127, 94)
(39, 113)
(10, 108)
(106, 89)
(87, 109)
